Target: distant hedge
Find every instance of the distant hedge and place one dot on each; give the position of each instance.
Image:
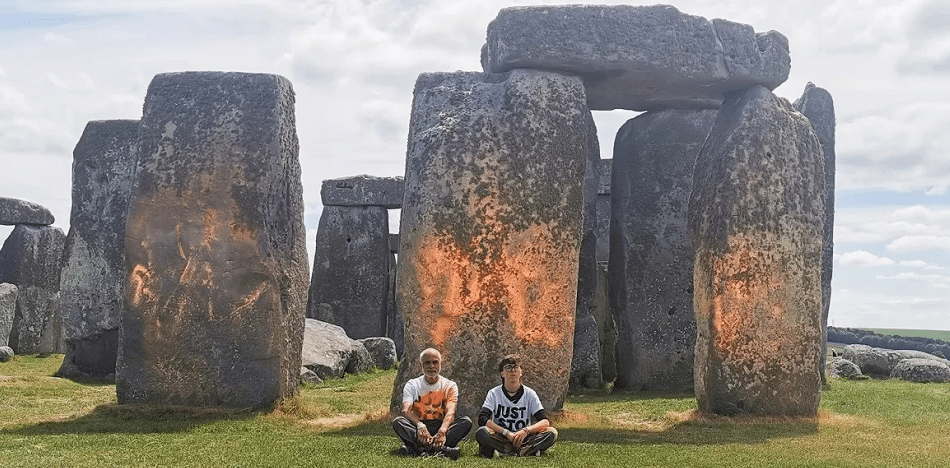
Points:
(857, 336)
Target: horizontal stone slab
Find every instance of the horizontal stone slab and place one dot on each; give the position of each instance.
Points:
(14, 211)
(638, 57)
(363, 190)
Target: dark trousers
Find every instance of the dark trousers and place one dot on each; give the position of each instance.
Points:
(489, 441)
(408, 432)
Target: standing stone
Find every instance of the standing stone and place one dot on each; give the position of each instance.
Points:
(363, 190)
(216, 254)
(756, 218)
(638, 57)
(604, 170)
(351, 269)
(606, 326)
(8, 294)
(94, 270)
(14, 211)
(651, 264)
(817, 105)
(395, 328)
(585, 367)
(31, 258)
(491, 228)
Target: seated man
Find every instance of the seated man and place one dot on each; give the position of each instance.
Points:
(428, 424)
(505, 421)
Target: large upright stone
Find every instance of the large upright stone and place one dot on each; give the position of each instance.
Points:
(8, 294)
(491, 228)
(638, 57)
(216, 247)
(756, 218)
(363, 190)
(14, 211)
(351, 270)
(31, 258)
(651, 258)
(816, 103)
(94, 270)
(585, 367)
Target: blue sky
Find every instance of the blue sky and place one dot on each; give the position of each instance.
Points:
(353, 64)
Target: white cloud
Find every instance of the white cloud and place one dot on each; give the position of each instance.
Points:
(864, 259)
(918, 243)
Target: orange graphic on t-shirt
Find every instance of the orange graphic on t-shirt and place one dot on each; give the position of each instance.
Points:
(431, 405)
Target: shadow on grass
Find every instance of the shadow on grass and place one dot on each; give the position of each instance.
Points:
(133, 419)
(694, 431)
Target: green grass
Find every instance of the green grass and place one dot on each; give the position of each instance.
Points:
(933, 334)
(47, 421)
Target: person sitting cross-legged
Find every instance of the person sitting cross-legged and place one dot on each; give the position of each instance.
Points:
(428, 424)
(512, 420)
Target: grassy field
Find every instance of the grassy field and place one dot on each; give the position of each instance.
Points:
(47, 421)
(934, 334)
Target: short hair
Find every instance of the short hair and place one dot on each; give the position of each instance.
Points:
(422, 355)
(513, 359)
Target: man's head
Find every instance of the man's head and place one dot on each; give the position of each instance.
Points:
(510, 369)
(431, 360)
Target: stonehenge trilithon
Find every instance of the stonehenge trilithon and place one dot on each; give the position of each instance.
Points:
(756, 218)
(491, 227)
(94, 270)
(638, 57)
(215, 248)
(31, 259)
(651, 263)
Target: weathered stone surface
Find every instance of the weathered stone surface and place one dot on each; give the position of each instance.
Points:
(308, 376)
(382, 349)
(881, 362)
(6, 353)
(638, 57)
(843, 368)
(756, 217)
(8, 294)
(94, 270)
(816, 104)
(14, 211)
(606, 326)
(216, 246)
(603, 210)
(586, 372)
(351, 269)
(328, 352)
(651, 261)
(921, 370)
(363, 190)
(491, 228)
(585, 364)
(31, 258)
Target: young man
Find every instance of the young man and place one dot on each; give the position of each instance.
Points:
(505, 421)
(428, 424)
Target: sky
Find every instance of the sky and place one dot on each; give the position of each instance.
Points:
(353, 64)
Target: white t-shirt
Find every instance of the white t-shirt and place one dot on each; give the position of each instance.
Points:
(429, 401)
(512, 415)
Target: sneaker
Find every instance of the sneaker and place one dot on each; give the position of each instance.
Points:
(406, 451)
(453, 452)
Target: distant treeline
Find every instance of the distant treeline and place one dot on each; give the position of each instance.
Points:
(857, 336)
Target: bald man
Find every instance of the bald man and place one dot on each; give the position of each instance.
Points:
(427, 424)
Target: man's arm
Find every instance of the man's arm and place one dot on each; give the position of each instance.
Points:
(439, 439)
(422, 432)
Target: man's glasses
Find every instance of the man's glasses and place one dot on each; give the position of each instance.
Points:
(511, 367)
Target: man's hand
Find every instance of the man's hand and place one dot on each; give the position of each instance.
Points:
(423, 434)
(518, 437)
(439, 439)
